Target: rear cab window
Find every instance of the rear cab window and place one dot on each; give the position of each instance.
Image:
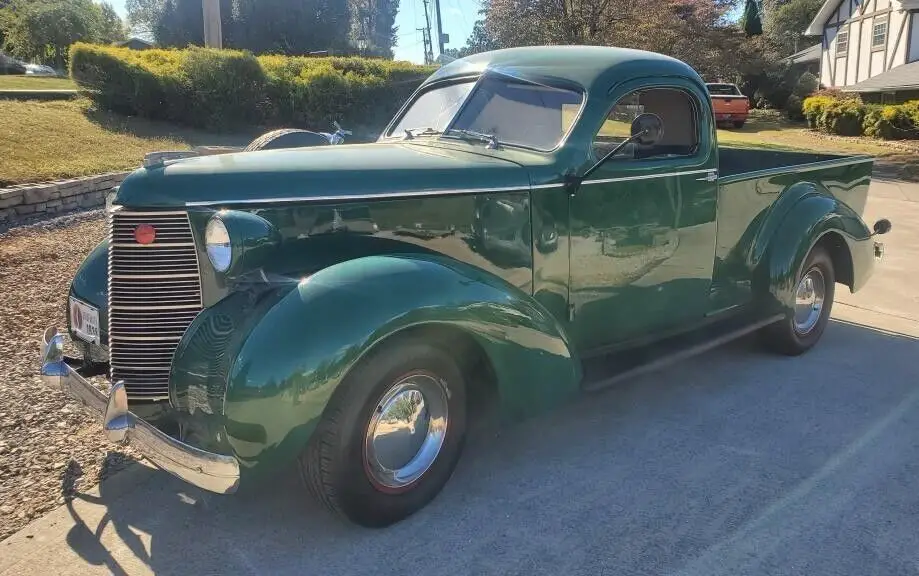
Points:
(723, 90)
(677, 111)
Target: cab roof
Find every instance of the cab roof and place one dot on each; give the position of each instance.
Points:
(592, 67)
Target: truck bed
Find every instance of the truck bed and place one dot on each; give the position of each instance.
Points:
(750, 182)
(735, 161)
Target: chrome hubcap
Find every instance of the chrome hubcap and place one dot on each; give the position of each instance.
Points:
(809, 298)
(406, 431)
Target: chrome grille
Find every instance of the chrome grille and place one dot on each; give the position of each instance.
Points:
(154, 293)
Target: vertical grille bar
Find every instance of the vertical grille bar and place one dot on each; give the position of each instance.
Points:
(154, 293)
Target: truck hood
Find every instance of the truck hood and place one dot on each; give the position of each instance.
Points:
(320, 173)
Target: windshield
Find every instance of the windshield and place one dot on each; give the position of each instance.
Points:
(723, 89)
(508, 111)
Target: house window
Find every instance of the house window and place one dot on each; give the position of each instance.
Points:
(879, 35)
(842, 43)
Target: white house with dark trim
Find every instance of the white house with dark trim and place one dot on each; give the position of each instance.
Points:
(870, 46)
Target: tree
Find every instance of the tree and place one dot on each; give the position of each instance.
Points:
(143, 15)
(693, 30)
(478, 41)
(265, 26)
(292, 26)
(111, 27)
(751, 22)
(373, 26)
(43, 30)
(785, 23)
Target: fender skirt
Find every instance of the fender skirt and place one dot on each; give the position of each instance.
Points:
(267, 380)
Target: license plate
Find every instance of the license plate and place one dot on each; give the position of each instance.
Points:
(84, 321)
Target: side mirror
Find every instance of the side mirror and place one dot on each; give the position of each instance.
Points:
(647, 129)
(882, 226)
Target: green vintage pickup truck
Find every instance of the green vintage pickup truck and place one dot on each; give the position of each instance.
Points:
(533, 223)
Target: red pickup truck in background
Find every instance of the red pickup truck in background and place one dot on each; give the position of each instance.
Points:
(730, 105)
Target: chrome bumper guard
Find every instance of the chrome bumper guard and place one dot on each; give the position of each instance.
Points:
(213, 472)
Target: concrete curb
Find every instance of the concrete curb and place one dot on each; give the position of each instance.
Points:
(38, 94)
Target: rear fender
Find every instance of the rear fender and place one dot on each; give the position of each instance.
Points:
(795, 230)
(300, 349)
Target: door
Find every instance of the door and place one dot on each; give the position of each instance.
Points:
(643, 225)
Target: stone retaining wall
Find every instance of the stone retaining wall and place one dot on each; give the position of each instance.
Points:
(27, 200)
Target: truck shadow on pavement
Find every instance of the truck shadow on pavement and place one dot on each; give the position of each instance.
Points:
(733, 462)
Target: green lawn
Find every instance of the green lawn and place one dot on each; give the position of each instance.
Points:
(767, 129)
(61, 139)
(17, 82)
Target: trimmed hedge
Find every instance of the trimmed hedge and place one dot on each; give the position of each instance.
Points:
(846, 115)
(225, 89)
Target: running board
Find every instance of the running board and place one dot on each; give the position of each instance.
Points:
(676, 353)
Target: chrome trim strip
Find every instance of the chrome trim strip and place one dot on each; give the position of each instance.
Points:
(213, 472)
(152, 277)
(391, 195)
(646, 177)
(145, 308)
(128, 214)
(155, 245)
(415, 193)
(146, 338)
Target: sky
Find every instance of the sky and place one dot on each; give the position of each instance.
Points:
(457, 18)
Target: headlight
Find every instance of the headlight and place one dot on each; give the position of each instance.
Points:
(217, 240)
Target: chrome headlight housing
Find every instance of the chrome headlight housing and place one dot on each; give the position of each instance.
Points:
(219, 248)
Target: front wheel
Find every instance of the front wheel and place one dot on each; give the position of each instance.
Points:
(805, 323)
(391, 436)
(738, 123)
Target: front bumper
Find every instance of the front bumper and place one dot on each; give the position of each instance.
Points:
(206, 470)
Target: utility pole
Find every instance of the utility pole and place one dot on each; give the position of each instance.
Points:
(426, 36)
(440, 31)
(213, 37)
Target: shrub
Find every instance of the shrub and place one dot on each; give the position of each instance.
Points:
(794, 108)
(834, 93)
(842, 117)
(812, 108)
(889, 123)
(807, 84)
(221, 89)
(912, 110)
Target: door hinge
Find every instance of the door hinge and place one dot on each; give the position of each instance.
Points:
(571, 312)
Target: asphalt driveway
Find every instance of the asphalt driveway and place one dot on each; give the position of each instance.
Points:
(734, 462)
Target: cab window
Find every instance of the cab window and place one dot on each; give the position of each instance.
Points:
(677, 112)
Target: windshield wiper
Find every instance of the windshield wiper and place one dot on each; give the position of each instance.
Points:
(426, 131)
(491, 139)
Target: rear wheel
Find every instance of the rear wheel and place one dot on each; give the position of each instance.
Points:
(391, 435)
(739, 123)
(814, 292)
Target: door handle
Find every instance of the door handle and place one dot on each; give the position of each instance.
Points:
(710, 177)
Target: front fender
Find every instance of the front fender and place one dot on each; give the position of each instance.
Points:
(90, 284)
(807, 220)
(298, 352)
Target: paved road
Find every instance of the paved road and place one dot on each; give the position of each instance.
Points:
(735, 462)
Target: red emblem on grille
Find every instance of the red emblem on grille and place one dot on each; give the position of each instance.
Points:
(145, 234)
